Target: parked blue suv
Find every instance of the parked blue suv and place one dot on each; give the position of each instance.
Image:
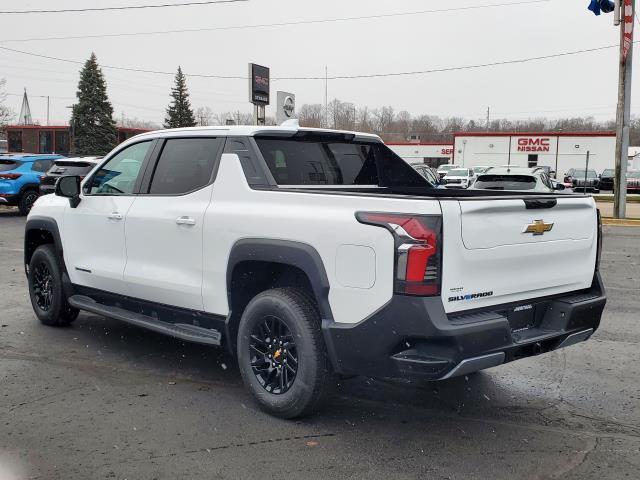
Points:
(20, 178)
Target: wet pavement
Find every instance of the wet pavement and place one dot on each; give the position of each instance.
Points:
(101, 399)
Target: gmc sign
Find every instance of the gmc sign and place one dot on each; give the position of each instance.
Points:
(533, 144)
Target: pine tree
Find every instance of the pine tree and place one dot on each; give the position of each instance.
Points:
(94, 130)
(179, 113)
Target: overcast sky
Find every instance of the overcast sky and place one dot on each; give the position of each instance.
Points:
(573, 85)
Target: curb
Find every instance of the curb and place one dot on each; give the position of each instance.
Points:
(621, 222)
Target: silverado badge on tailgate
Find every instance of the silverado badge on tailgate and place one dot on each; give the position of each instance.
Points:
(538, 227)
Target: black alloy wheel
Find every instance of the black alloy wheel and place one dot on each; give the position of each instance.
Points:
(46, 291)
(26, 202)
(43, 286)
(281, 352)
(274, 356)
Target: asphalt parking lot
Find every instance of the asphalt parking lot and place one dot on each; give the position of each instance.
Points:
(102, 399)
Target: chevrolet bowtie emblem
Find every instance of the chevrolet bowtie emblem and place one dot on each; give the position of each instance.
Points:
(538, 227)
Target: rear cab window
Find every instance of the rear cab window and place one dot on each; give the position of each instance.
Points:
(312, 160)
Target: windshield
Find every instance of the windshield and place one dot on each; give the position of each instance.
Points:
(635, 174)
(458, 172)
(314, 160)
(505, 182)
(608, 172)
(445, 168)
(580, 173)
(480, 169)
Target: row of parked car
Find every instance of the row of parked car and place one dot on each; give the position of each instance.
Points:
(508, 177)
(24, 177)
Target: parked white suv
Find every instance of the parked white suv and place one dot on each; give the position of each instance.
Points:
(309, 254)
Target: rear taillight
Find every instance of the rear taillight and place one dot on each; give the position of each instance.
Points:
(599, 251)
(10, 176)
(418, 250)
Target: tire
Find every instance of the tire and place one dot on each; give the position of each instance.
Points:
(45, 289)
(27, 200)
(270, 379)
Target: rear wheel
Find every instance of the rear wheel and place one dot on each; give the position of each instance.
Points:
(45, 288)
(281, 353)
(29, 197)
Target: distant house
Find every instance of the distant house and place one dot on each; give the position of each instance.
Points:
(50, 139)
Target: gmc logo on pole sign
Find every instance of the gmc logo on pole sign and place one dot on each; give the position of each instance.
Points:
(533, 144)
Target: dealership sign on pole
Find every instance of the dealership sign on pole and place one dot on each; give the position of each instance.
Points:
(259, 91)
(286, 106)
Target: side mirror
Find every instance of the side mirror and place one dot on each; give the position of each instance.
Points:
(69, 187)
(558, 186)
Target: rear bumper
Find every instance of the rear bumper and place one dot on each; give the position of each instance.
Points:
(413, 337)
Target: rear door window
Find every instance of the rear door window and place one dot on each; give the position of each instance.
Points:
(185, 165)
(315, 161)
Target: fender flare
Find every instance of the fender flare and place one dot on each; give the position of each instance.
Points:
(47, 224)
(296, 254)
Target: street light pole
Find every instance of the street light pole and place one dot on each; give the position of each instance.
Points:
(623, 114)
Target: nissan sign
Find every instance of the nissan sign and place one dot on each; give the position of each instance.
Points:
(258, 84)
(286, 106)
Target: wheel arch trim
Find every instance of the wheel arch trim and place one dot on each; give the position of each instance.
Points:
(47, 224)
(296, 254)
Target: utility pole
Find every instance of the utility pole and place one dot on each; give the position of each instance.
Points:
(488, 117)
(625, 17)
(47, 110)
(326, 96)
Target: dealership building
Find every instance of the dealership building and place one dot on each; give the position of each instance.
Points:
(558, 150)
(432, 154)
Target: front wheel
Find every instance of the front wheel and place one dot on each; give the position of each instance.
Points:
(45, 288)
(281, 353)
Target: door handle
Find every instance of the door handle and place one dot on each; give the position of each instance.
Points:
(115, 216)
(185, 221)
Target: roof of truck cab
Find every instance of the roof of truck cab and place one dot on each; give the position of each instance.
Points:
(248, 131)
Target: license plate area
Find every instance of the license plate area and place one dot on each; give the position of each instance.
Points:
(525, 318)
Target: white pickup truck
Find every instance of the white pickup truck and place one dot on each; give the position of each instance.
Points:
(312, 254)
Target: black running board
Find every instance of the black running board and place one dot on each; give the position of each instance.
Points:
(183, 331)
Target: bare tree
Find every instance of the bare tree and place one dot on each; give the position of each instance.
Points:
(311, 115)
(6, 114)
(363, 118)
(204, 116)
(232, 118)
(138, 123)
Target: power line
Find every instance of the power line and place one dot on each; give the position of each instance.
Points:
(124, 7)
(127, 69)
(281, 24)
(337, 77)
(451, 69)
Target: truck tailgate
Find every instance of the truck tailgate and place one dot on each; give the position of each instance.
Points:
(505, 250)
